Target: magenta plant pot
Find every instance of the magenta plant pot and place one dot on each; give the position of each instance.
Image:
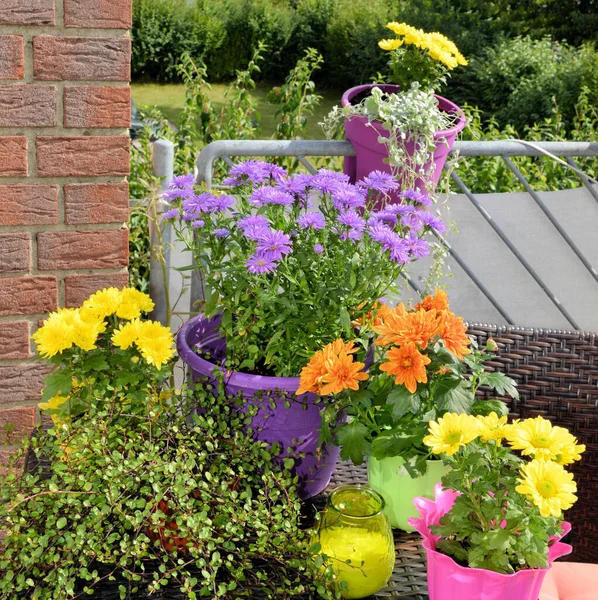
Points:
(295, 426)
(370, 153)
(448, 580)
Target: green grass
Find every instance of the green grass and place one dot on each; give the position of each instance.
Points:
(170, 99)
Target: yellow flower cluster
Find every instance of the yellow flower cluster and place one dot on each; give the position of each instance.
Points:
(438, 46)
(544, 479)
(69, 327)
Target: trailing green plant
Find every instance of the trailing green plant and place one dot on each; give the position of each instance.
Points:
(171, 497)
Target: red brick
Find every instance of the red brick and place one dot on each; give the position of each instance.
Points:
(14, 340)
(28, 296)
(15, 249)
(80, 287)
(93, 249)
(27, 105)
(81, 59)
(13, 156)
(96, 203)
(23, 421)
(27, 12)
(12, 57)
(6, 457)
(28, 204)
(114, 14)
(23, 382)
(94, 156)
(97, 106)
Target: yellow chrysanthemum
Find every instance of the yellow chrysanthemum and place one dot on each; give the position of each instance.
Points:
(58, 333)
(493, 427)
(390, 44)
(133, 303)
(127, 334)
(451, 432)
(400, 28)
(548, 486)
(571, 451)
(537, 437)
(155, 343)
(103, 303)
(54, 402)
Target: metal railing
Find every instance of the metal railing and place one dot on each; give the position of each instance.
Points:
(304, 149)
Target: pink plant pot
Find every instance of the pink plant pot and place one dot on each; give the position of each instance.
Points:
(449, 581)
(370, 153)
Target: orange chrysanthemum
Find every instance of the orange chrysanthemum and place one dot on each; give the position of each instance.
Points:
(342, 374)
(418, 327)
(372, 317)
(323, 362)
(452, 332)
(408, 366)
(439, 301)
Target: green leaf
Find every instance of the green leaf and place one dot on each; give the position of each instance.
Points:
(400, 400)
(485, 407)
(453, 395)
(500, 383)
(95, 362)
(59, 382)
(352, 437)
(61, 523)
(385, 446)
(345, 320)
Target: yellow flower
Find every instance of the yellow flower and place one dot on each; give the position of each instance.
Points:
(58, 333)
(133, 303)
(571, 451)
(451, 432)
(155, 343)
(537, 437)
(493, 427)
(54, 402)
(103, 303)
(548, 486)
(127, 334)
(390, 44)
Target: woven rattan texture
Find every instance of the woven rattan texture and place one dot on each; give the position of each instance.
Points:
(557, 377)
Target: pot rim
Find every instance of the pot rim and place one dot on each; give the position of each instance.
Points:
(391, 88)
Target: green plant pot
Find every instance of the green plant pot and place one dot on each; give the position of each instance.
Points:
(390, 479)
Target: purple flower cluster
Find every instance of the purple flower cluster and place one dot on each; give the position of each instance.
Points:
(254, 171)
(353, 225)
(272, 246)
(315, 220)
(379, 181)
(268, 194)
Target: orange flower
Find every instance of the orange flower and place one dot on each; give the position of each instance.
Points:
(372, 317)
(438, 302)
(452, 332)
(324, 362)
(342, 374)
(408, 366)
(417, 327)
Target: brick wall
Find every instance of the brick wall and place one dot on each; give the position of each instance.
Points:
(64, 156)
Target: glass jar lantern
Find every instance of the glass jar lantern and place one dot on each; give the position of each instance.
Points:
(355, 535)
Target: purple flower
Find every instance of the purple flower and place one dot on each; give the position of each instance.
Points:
(346, 196)
(314, 219)
(318, 248)
(198, 204)
(270, 195)
(297, 184)
(221, 203)
(391, 241)
(399, 252)
(254, 232)
(273, 244)
(383, 216)
(253, 221)
(380, 233)
(379, 181)
(327, 181)
(173, 213)
(418, 248)
(276, 171)
(430, 220)
(198, 223)
(221, 232)
(350, 218)
(398, 209)
(416, 196)
(355, 234)
(249, 171)
(175, 193)
(412, 221)
(181, 182)
(258, 264)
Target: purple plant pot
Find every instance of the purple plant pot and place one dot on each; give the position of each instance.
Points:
(370, 153)
(295, 427)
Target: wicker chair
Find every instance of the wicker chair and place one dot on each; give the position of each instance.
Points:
(557, 377)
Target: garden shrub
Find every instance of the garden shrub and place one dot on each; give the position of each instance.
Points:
(521, 80)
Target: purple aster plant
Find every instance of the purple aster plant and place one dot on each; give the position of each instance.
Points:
(253, 221)
(254, 232)
(173, 213)
(418, 248)
(249, 171)
(351, 219)
(318, 248)
(198, 223)
(221, 203)
(259, 264)
(221, 232)
(327, 181)
(274, 244)
(379, 182)
(267, 194)
(181, 182)
(175, 193)
(417, 197)
(429, 219)
(346, 196)
(313, 219)
(412, 221)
